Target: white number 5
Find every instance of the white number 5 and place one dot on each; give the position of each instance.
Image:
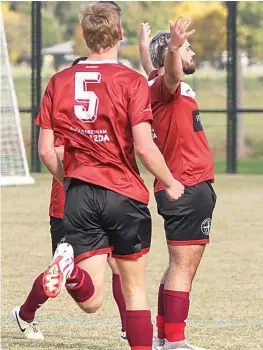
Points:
(86, 113)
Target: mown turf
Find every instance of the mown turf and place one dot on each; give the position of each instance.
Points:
(226, 302)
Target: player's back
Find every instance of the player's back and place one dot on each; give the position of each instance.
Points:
(94, 111)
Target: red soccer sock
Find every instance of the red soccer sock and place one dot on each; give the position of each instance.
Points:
(139, 329)
(176, 305)
(80, 285)
(160, 323)
(35, 299)
(119, 299)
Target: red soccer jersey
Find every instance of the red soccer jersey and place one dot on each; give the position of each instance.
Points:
(179, 134)
(93, 106)
(57, 196)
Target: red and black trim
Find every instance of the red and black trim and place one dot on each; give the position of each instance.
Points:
(132, 256)
(93, 253)
(192, 242)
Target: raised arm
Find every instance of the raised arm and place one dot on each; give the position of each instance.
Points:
(173, 63)
(144, 48)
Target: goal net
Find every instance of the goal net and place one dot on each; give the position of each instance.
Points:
(14, 166)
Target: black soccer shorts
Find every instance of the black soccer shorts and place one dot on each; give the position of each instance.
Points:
(188, 220)
(100, 221)
(56, 231)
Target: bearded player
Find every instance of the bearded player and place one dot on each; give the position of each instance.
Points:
(179, 134)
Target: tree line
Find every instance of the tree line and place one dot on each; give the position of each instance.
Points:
(60, 23)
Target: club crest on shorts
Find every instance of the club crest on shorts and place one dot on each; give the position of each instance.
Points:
(206, 226)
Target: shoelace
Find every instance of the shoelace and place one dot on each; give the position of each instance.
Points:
(34, 327)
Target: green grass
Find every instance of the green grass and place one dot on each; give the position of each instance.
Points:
(226, 300)
(244, 166)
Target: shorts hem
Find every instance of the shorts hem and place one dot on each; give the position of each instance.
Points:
(93, 253)
(56, 215)
(190, 242)
(132, 256)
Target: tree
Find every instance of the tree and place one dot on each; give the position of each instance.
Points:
(134, 13)
(65, 13)
(209, 21)
(250, 28)
(53, 32)
(17, 19)
(17, 29)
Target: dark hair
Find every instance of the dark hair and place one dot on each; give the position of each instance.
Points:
(77, 60)
(114, 4)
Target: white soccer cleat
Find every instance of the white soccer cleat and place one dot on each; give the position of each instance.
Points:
(59, 270)
(123, 336)
(180, 345)
(29, 329)
(158, 343)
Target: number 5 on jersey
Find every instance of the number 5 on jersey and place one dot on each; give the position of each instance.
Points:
(87, 111)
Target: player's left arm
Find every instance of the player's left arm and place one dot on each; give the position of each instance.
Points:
(144, 48)
(48, 155)
(173, 63)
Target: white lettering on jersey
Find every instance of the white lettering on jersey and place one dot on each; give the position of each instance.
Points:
(83, 113)
(96, 135)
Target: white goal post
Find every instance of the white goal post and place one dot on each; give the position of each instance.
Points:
(14, 165)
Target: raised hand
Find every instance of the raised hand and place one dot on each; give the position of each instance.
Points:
(145, 34)
(179, 33)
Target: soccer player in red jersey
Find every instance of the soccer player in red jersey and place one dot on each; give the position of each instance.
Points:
(25, 314)
(179, 134)
(102, 111)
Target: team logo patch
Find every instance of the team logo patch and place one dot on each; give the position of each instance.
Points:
(206, 226)
(197, 121)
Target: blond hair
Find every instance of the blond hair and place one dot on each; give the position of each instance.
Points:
(101, 26)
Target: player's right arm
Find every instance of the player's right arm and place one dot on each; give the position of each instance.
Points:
(173, 63)
(48, 155)
(46, 143)
(141, 117)
(144, 48)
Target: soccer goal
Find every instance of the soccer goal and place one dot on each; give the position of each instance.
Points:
(14, 166)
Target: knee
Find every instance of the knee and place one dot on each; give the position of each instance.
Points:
(93, 304)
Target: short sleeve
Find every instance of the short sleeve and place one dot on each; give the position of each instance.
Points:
(44, 118)
(160, 92)
(139, 107)
(153, 74)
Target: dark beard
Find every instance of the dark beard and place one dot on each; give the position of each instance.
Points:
(189, 70)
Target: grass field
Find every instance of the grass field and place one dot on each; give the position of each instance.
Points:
(226, 307)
